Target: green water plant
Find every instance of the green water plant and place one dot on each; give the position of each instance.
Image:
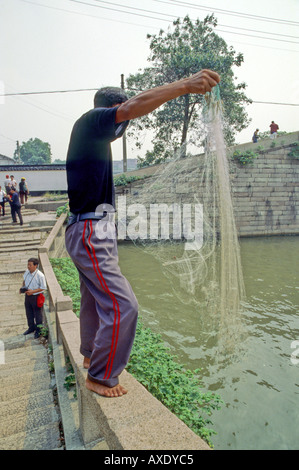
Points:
(245, 157)
(294, 153)
(178, 388)
(68, 278)
(62, 209)
(123, 180)
(153, 365)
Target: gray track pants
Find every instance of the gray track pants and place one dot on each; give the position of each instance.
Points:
(109, 309)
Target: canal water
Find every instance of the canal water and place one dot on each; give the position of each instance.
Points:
(259, 382)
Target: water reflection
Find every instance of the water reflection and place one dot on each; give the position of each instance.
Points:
(257, 381)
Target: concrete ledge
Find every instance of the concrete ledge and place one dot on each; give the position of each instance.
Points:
(57, 300)
(53, 234)
(136, 421)
(44, 206)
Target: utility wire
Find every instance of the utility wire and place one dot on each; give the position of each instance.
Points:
(48, 92)
(82, 14)
(95, 89)
(163, 19)
(175, 16)
(231, 13)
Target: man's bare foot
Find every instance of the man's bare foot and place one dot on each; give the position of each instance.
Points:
(86, 362)
(104, 391)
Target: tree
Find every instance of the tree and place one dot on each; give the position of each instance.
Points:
(34, 152)
(190, 47)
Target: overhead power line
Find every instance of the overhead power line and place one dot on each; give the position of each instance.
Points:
(135, 11)
(280, 104)
(162, 19)
(47, 92)
(174, 16)
(231, 12)
(24, 93)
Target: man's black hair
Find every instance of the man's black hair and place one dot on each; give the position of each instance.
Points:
(109, 96)
(33, 260)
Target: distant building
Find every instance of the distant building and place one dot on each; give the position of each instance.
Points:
(48, 177)
(40, 178)
(6, 160)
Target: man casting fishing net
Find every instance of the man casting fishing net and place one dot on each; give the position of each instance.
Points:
(108, 312)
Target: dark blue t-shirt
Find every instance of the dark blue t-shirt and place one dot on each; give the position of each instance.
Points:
(89, 160)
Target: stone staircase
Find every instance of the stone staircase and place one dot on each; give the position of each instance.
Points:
(18, 243)
(28, 413)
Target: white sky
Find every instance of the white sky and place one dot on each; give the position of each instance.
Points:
(68, 44)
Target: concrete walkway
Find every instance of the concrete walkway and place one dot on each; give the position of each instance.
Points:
(28, 416)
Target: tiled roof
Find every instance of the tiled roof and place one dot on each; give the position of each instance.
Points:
(31, 167)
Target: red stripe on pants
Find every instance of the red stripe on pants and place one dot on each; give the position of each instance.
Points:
(107, 291)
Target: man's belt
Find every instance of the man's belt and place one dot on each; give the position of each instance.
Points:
(85, 216)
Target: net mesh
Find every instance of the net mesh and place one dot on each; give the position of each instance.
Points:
(193, 196)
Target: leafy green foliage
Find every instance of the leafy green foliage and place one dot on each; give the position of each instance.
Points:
(122, 180)
(62, 209)
(34, 152)
(267, 135)
(176, 387)
(294, 153)
(245, 158)
(152, 364)
(68, 278)
(176, 54)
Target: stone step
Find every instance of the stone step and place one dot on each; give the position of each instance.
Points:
(18, 353)
(11, 320)
(12, 225)
(25, 378)
(25, 247)
(12, 296)
(19, 266)
(28, 416)
(23, 363)
(11, 313)
(16, 229)
(44, 438)
(24, 212)
(8, 331)
(28, 421)
(20, 239)
(31, 402)
(35, 382)
(9, 244)
(9, 283)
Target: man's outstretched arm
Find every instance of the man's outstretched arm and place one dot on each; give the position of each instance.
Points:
(147, 101)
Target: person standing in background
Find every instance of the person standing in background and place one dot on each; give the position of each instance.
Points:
(7, 184)
(15, 206)
(12, 183)
(255, 136)
(2, 200)
(23, 190)
(33, 284)
(273, 130)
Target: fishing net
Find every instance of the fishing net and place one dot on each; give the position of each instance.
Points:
(183, 216)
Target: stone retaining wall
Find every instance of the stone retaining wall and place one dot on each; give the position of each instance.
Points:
(265, 193)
